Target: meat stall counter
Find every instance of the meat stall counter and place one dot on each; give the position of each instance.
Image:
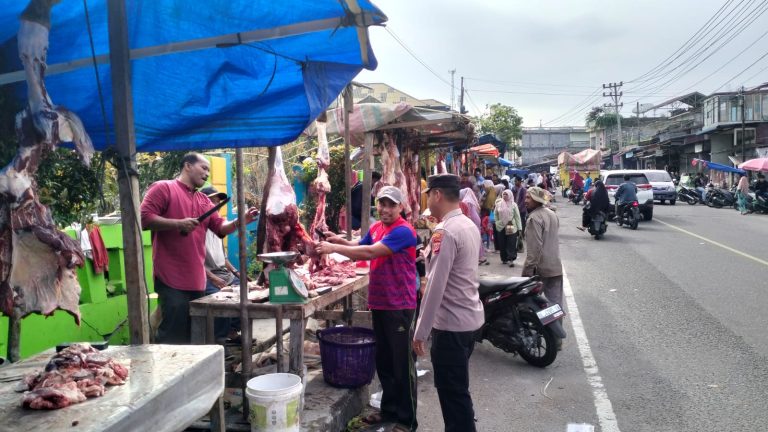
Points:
(168, 388)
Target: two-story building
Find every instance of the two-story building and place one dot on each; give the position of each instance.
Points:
(541, 143)
(726, 115)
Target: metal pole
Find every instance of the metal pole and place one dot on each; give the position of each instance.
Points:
(245, 335)
(127, 173)
(743, 136)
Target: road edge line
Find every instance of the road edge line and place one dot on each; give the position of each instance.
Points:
(605, 415)
(728, 248)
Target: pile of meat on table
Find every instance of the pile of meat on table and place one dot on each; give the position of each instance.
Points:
(76, 373)
(333, 274)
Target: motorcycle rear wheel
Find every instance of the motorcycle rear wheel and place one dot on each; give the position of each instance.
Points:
(633, 223)
(544, 352)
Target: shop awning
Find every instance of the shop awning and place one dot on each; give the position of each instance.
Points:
(209, 74)
(485, 150)
(504, 162)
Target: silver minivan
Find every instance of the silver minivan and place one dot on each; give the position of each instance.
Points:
(663, 186)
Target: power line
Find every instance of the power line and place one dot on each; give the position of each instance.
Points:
(528, 83)
(400, 41)
(740, 73)
(682, 49)
(736, 29)
(469, 97)
(589, 100)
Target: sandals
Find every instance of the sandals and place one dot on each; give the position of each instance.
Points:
(373, 418)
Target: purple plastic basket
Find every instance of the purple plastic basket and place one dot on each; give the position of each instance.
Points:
(348, 355)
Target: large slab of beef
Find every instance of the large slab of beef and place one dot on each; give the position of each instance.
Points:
(71, 376)
(37, 261)
(284, 232)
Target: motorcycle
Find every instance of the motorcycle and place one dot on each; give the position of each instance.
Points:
(719, 198)
(598, 227)
(628, 214)
(519, 319)
(755, 203)
(689, 196)
(576, 195)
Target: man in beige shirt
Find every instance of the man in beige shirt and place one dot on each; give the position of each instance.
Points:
(542, 244)
(451, 309)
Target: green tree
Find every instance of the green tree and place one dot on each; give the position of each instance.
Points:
(505, 122)
(598, 118)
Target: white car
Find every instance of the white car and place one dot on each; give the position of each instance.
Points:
(663, 187)
(613, 179)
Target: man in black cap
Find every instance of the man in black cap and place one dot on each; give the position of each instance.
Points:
(451, 310)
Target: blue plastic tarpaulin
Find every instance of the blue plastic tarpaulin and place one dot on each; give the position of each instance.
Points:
(290, 59)
(717, 166)
(504, 162)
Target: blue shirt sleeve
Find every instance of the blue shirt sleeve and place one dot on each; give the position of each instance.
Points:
(367, 240)
(398, 239)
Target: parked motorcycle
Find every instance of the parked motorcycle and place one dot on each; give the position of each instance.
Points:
(719, 198)
(690, 196)
(598, 226)
(755, 203)
(629, 215)
(520, 319)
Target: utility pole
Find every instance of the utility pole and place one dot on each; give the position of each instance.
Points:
(461, 98)
(615, 95)
(638, 123)
(453, 88)
(743, 137)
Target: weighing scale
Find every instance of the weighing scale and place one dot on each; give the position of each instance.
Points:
(285, 286)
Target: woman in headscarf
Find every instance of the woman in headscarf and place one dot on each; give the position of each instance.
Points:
(489, 197)
(742, 191)
(471, 209)
(597, 199)
(507, 227)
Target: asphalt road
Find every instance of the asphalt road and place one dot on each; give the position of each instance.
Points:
(674, 317)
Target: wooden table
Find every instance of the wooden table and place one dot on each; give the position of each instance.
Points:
(169, 387)
(204, 310)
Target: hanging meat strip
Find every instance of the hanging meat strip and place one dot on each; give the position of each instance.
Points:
(37, 261)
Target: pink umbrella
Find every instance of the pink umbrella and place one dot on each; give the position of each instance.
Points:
(759, 164)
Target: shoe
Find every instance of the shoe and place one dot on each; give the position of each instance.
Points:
(581, 228)
(512, 264)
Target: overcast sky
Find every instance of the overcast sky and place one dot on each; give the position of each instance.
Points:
(507, 49)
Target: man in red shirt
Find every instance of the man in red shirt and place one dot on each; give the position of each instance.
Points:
(170, 210)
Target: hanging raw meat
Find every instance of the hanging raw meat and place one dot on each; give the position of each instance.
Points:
(411, 173)
(320, 187)
(401, 182)
(284, 231)
(37, 261)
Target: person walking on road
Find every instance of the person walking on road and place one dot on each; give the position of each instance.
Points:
(542, 245)
(507, 227)
(390, 244)
(520, 193)
(742, 191)
(451, 310)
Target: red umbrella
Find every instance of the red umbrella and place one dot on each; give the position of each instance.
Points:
(759, 164)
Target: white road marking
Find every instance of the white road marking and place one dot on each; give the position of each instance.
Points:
(605, 415)
(728, 248)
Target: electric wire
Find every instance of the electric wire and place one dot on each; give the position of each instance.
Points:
(740, 73)
(416, 57)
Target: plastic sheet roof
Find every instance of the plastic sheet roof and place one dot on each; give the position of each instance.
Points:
(422, 124)
(277, 66)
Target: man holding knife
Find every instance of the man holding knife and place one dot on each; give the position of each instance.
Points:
(179, 216)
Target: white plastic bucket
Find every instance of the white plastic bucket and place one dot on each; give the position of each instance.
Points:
(274, 401)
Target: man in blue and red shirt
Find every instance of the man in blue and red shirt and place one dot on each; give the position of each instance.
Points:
(390, 245)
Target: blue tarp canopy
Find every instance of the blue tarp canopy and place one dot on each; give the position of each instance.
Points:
(719, 167)
(504, 162)
(209, 74)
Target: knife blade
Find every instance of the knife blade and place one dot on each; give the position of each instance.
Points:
(213, 210)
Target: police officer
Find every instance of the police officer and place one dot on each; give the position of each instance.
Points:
(451, 309)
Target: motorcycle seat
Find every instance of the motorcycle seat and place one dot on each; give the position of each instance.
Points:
(488, 286)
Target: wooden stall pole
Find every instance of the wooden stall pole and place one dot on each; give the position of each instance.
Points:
(127, 172)
(348, 106)
(14, 336)
(365, 216)
(245, 327)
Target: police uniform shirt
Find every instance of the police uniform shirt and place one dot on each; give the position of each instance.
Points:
(451, 300)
